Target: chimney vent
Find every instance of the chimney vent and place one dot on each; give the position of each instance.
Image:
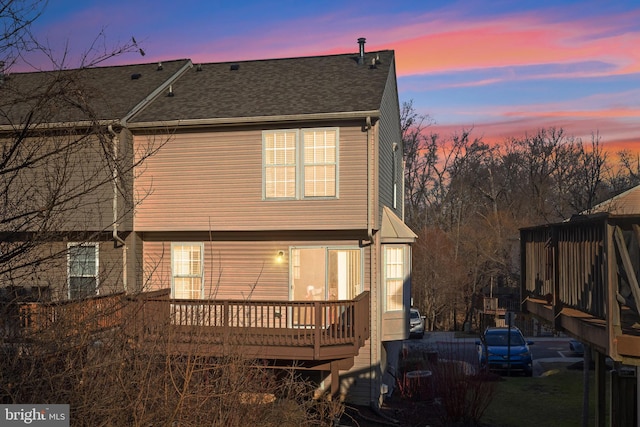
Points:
(361, 42)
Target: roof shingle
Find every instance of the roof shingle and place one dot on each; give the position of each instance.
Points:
(275, 87)
(100, 93)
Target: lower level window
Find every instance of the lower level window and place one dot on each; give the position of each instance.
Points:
(82, 269)
(394, 277)
(322, 273)
(187, 270)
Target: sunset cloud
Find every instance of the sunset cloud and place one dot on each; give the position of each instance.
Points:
(501, 68)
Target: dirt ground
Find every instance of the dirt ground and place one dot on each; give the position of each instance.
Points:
(395, 412)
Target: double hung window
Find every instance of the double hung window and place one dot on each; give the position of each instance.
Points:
(187, 270)
(82, 269)
(300, 164)
(394, 277)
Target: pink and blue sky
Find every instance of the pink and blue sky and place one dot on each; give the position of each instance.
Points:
(503, 68)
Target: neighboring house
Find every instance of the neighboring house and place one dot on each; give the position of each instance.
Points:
(67, 175)
(581, 276)
(625, 203)
(274, 182)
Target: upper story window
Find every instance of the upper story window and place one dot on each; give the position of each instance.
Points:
(187, 271)
(300, 164)
(82, 269)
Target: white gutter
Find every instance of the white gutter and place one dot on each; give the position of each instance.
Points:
(222, 121)
(115, 139)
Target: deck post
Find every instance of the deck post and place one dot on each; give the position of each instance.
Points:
(317, 308)
(335, 378)
(226, 329)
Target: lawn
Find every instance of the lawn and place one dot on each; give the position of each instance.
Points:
(554, 400)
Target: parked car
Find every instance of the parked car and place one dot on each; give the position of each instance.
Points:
(416, 324)
(576, 347)
(499, 353)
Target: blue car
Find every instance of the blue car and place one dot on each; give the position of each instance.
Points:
(497, 353)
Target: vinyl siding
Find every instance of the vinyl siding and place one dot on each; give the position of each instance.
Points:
(627, 203)
(232, 269)
(389, 133)
(72, 184)
(213, 181)
(356, 382)
(51, 271)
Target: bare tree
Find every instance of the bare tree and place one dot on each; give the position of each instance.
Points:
(62, 161)
(420, 157)
(468, 199)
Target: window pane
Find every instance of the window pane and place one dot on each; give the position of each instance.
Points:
(280, 182)
(82, 287)
(394, 295)
(187, 287)
(309, 264)
(394, 277)
(280, 164)
(345, 274)
(186, 261)
(320, 181)
(187, 271)
(82, 261)
(82, 267)
(320, 163)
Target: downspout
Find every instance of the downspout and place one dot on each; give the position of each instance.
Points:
(370, 151)
(372, 276)
(115, 139)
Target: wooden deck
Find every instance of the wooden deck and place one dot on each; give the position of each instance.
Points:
(317, 331)
(581, 277)
(299, 330)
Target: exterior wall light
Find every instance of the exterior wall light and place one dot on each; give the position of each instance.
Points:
(280, 256)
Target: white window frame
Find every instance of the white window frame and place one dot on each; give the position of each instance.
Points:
(95, 276)
(280, 172)
(295, 266)
(392, 276)
(174, 275)
(317, 162)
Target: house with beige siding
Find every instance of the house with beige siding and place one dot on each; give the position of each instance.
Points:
(270, 212)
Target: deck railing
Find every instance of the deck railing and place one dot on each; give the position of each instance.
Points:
(304, 330)
(567, 261)
(311, 330)
(581, 276)
(71, 317)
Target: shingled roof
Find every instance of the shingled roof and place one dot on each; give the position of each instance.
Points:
(248, 90)
(87, 94)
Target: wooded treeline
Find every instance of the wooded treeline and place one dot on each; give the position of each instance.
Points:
(467, 199)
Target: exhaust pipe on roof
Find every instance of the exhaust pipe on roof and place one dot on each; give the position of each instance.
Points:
(361, 42)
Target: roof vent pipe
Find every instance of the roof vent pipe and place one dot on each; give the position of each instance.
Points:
(361, 42)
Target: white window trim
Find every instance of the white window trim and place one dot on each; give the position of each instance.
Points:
(326, 265)
(173, 276)
(386, 279)
(300, 164)
(96, 246)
